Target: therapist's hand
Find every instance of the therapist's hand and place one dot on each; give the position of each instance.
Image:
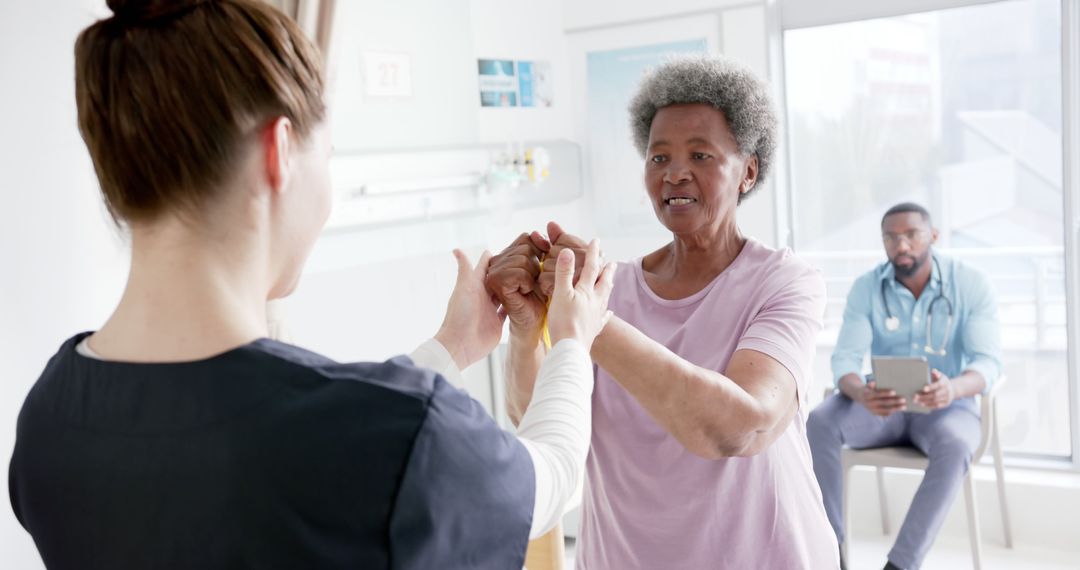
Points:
(473, 323)
(881, 402)
(561, 240)
(579, 311)
(939, 393)
(511, 278)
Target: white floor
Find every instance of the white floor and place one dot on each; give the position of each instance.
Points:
(954, 554)
(947, 554)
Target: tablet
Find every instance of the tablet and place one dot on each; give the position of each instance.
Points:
(904, 375)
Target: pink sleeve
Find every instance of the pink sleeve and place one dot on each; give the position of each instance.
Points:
(788, 323)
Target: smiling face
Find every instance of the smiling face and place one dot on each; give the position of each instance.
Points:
(694, 172)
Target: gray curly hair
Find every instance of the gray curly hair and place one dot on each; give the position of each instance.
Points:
(712, 80)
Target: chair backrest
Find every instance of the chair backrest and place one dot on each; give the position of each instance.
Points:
(988, 408)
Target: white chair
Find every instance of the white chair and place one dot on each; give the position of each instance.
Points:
(911, 458)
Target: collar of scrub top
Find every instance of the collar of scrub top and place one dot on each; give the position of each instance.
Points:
(892, 322)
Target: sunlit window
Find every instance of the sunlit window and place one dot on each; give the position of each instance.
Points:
(959, 110)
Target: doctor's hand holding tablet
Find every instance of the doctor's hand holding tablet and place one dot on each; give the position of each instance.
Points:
(939, 393)
(905, 384)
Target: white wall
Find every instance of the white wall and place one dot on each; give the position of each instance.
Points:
(593, 13)
(743, 36)
(443, 47)
(441, 110)
(63, 264)
(530, 31)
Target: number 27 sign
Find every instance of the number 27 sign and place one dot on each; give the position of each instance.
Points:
(387, 74)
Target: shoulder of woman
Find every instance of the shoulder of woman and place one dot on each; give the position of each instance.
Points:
(626, 274)
(783, 266)
(399, 374)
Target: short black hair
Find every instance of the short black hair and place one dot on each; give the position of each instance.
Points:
(905, 207)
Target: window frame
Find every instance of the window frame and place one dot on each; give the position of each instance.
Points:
(784, 15)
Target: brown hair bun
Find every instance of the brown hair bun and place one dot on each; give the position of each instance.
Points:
(169, 90)
(135, 12)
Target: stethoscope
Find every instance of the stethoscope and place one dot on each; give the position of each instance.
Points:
(892, 323)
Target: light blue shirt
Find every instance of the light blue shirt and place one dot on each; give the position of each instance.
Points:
(973, 343)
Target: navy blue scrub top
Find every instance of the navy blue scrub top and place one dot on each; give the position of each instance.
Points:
(266, 456)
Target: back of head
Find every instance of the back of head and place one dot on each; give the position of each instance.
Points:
(168, 91)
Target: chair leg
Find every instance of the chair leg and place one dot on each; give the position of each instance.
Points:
(846, 508)
(883, 501)
(999, 468)
(973, 520)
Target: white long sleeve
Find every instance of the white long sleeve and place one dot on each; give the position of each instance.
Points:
(556, 428)
(434, 356)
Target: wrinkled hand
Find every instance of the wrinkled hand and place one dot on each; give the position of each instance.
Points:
(939, 393)
(881, 402)
(561, 240)
(511, 278)
(473, 323)
(579, 311)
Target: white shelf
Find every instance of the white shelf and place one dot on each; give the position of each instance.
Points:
(391, 188)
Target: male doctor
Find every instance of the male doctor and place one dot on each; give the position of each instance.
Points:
(918, 303)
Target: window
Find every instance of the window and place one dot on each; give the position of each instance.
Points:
(959, 110)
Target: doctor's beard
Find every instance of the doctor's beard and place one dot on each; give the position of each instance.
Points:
(917, 263)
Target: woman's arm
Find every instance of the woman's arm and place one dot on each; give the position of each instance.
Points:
(523, 360)
(557, 425)
(714, 415)
(739, 412)
(511, 278)
(556, 430)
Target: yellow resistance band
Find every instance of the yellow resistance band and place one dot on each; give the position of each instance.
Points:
(543, 325)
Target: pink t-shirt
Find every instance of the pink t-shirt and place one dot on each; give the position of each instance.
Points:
(651, 504)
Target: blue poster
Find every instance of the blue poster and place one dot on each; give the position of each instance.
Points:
(498, 83)
(534, 84)
(507, 83)
(525, 83)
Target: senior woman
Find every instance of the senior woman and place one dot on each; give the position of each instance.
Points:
(177, 435)
(699, 457)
